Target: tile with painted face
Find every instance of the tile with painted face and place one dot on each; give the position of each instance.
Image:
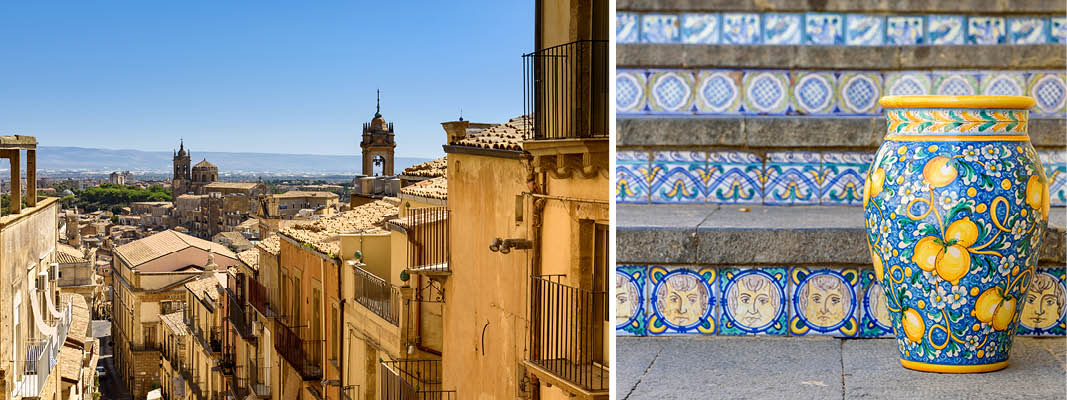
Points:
(753, 301)
(682, 300)
(824, 301)
(1043, 304)
(875, 321)
(630, 300)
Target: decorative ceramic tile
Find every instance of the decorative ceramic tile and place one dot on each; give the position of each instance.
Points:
(682, 300)
(1003, 83)
(718, 91)
(736, 178)
(858, 92)
(753, 301)
(680, 177)
(900, 29)
(955, 83)
(986, 30)
(659, 28)
(791, 178)
(864, 29)
(1049, 89)
(1027, 30)
(626, 27)
(630, 300)
(631, 176)
(874, 315)
(1044, 304)
(824, 28)
(740, 28)
(781, 28)
(630, 91)
(700, 28)
(842, 177)
(945, 29)
(766, 92)
(823, 301)
(670, 91)
(1055, 164)
(1057, 31)
(907, 83)
(813, 92)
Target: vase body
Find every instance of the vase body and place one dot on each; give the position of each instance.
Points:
(957, 204)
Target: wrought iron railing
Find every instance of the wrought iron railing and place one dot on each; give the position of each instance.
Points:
(259, 297)
(304, 355)
(377, 295)
(191, 381)
(412, 380)
(566, 90)
(259, 377)
(428, 239)
(240, 320)
(567, 335)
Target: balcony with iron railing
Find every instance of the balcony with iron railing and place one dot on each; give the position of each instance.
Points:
(427, 234)
(566, 89)
(241, 320)
(377, 295)
(412, 380)
(259, 378)
(209, 339)
(194, 386)
(40, 355)
(259, 297)
(567, 338)
(236, 387)
(303, 355)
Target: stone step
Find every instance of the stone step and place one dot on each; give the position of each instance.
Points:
(728, 235)
(1015, 56)
(785, 132)
(878, 6)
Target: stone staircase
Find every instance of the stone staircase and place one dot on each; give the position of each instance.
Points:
(745, 130)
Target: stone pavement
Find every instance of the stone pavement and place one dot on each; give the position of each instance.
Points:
(716, 367)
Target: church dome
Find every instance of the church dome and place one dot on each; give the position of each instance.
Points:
(378, 123)
(205, 165)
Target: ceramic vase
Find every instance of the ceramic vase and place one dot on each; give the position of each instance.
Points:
(956, 203)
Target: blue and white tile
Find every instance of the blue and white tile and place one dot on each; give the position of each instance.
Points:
(946, 29)
(632, 169)
(718, 91)
(681, 176)
(740, 28)
(782, 28)
(791, 178)
(1027, 30)
(674, 308)
(631, 299)
(908, 83)
(904, 29)
(875, 320)
(955, 83)
(1057, 31)
(823, 301)
(864, 29)
(1055, 164)
(858, 92)
(736, 178)
(824, 28)
(986, 30)
(842, 177)
(813, 92)
(766, 92)
(1049, 89)
(700, 28)
(670, 91)
(631, 91)
(1003, 83)
(626, 27)
(754, 301)
(660, 28)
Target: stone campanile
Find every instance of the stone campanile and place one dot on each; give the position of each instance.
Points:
(181, 177)
(378, 144)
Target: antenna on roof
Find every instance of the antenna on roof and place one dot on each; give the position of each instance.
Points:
(461, 114)
(378, 107)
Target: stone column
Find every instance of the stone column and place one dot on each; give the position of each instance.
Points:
(31, 178)
(15, 200)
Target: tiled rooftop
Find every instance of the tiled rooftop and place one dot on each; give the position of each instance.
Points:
(322, 234)
(67, 254)
(175, 323)
(506, 136)
(143, 250)
(206, 287)
(231, 185)
(271, 244)
(429, 169)
(296, 194)
(436, 188)
(250, 257)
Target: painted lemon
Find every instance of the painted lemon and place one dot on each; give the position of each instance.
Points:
(986, 305)
(953, 263)
(877, 181)
(963, 231)
(914, 327)
(939, 171)
(877, 260)
(1037, 195)
(926, 253)
(1004, 315)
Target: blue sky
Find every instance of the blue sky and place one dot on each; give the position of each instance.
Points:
(265, 76)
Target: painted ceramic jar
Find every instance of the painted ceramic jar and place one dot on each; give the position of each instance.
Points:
(956, 203)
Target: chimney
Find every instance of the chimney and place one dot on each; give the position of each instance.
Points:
(456, 130)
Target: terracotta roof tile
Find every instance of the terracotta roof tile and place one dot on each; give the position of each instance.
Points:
(250, 257)
(231, 185)
(296, 194)
(175, 322)
(429, 169)
(506, 136)
(322, 234)
(271, 244)
(436, 188)
(143, 250)
(67, 254)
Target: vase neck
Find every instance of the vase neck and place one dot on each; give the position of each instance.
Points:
(958, 123)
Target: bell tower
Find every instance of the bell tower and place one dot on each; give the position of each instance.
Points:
(181, 177)
(378, 143)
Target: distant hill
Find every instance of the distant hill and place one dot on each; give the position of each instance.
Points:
(89, 160)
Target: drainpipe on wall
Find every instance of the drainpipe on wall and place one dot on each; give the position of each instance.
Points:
(535, 184)
(341, 324)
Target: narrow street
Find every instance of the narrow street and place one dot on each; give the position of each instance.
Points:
(110, 388)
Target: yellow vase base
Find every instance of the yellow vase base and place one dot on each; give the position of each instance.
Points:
(953, 369)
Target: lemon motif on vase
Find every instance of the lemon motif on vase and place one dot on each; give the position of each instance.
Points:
(954, 244)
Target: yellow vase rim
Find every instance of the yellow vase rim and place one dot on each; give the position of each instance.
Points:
(1002, 102)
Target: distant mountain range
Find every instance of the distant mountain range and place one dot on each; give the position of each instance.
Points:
(89, 161)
